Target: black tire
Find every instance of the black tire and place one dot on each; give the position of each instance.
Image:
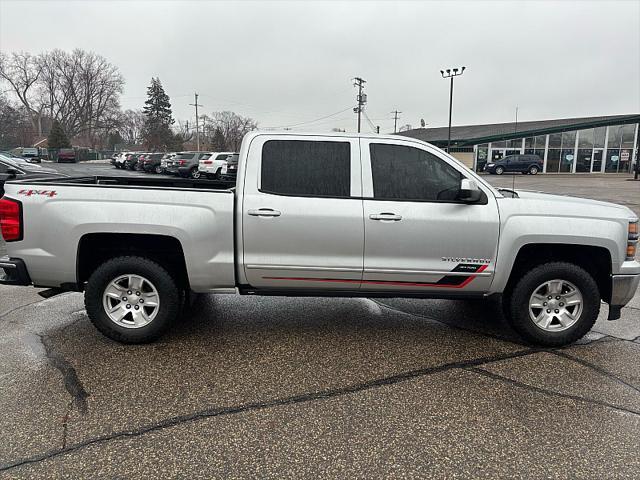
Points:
(533, 170)
(159, 170)
(517, 307)
(499, 170)
(194, 173)
(169, 293)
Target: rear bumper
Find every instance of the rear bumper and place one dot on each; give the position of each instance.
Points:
(13, 272)
(623, 289)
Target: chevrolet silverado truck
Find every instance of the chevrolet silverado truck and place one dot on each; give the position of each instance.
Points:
(321, 215)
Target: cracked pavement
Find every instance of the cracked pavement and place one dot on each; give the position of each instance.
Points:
(305, 387)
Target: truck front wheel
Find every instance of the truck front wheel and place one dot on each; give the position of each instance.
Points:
(132, 299)
(554, 304)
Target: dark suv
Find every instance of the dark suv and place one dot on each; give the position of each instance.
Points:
(527, 163)
(185, 164)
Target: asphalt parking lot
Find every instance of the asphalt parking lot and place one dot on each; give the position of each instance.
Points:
(301, 388)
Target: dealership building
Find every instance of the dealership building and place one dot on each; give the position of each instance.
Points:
(569, 145)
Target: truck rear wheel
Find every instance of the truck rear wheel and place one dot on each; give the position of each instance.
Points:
(554, 304)
(132, 299)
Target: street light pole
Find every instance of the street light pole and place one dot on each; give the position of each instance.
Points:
(450, 73)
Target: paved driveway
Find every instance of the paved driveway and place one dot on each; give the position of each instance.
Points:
(301, 388)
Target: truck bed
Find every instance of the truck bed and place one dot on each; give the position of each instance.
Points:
(64, 218)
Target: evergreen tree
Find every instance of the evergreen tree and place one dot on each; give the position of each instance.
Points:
(218, 143)
(157, 132)
(57, 138)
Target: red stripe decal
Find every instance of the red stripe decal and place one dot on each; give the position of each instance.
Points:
(379, 282)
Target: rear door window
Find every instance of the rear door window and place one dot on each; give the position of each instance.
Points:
(306, 168)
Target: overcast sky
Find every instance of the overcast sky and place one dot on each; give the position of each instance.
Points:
(287, 63)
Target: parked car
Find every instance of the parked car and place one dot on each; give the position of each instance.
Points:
(21, 169)
(186, 164)
(151, 162)
(31, 155)
(166, 159)
(67, 155)
(118, 159)
(131, 161)
(327, 214)
(527, 163)
(139, 166)
(230, 169)
(212, 166)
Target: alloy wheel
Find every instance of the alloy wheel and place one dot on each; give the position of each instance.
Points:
(555, 305)
(131, 301)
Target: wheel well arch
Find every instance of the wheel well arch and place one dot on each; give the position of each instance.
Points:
(96, 248)
(595, 260)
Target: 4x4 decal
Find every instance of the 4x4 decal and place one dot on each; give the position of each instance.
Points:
(45, 193)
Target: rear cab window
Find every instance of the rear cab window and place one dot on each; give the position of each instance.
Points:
(306, 168)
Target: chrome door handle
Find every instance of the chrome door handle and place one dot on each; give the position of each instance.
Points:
(386, 216)
(264, 212)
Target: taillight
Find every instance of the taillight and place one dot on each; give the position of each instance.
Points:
(207, 162)
(10, 220)
(182, 162)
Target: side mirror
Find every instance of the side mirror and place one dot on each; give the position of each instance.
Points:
(469, 191)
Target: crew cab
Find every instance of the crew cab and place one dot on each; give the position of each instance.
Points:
(321, 215)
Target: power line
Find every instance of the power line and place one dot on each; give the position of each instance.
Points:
(371, 124)
(311, 121)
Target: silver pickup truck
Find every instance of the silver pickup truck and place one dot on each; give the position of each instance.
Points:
(321, 215)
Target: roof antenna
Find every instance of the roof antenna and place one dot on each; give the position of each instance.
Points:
(515, 130)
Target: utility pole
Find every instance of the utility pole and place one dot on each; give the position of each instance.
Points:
(361, 98)
(197, 122)
(395, 120)
(451, 74)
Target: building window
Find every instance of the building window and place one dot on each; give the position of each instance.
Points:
(585, 138)
(615, 136)
(599, 135)
(628, 132)
(583, 159)
(515, 144)
(553, 160)
(555, 140)
(613, 159)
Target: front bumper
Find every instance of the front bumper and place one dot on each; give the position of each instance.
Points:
(623, 289)
(13, 272)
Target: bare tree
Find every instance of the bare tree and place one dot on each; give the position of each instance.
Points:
(15, 126)
(233, 127)
(183, 131)
(130, 126)
(22, 71)
(82, 89)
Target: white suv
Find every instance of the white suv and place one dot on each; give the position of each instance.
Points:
(212, 166)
